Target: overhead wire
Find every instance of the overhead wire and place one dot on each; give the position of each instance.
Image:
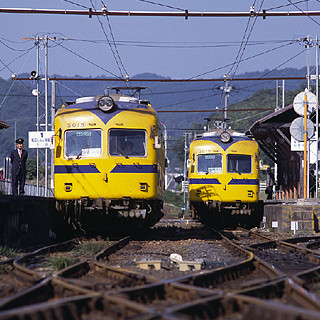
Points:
(241, 88)
(182, 44)
(161, 5)
(13, 82)
(242, 60)
(87, 60)
(243, 45)
(251, 116)
(11, 48)
(6, 66)
(287, 5)
(275, 68)
(114, 51)
(283, 63)
(75, 3)
(114, 41)
(70, 89)
(316, 22)
(196, 99)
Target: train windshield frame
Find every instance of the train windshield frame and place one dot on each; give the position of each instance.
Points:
(239, 163)
(85, 143)
(209, 163)
(127, 142)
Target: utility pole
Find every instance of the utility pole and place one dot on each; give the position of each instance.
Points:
(53, 113)
(277, 95)
(165, 156)
(46, 113)
(317, 113)
(185, 170)
(38, 108)
(307, 46)
(283, 104)
(282, 95)
(185, 184)
(43, 119)
(316, 77)
(308, 42)
(226, 88)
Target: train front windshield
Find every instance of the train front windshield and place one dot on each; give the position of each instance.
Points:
(239, 163)
(127, 142)
(83, 143)
(209, 163)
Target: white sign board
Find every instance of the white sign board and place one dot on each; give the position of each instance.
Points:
(299, 146)
(296, 145)
(185, 186)
(41, 139)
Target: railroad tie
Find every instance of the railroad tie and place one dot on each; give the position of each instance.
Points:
(190, 265)
(150, 264)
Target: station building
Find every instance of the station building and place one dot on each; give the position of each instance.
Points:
(288, 210)
(4, 125)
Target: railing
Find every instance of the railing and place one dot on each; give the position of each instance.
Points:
(29, 189)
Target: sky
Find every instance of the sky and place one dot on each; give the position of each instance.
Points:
(167, 46)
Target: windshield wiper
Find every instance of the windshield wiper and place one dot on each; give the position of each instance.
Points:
(235, 170)
(122, 152)
(80, 154)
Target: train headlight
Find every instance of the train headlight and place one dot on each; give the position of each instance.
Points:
(225, 137)
(105, 103)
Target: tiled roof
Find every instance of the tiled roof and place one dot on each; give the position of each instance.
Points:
(4, 125)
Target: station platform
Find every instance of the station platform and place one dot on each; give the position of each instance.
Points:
(27, 221)
(292, 216)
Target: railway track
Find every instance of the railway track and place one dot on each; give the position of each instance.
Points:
(167, 273)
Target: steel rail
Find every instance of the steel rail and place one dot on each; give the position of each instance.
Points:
(239, 307)
(246, 268)
(77, 307)
(30, 274)
(73, 274)
(286, 290)
(47, 289)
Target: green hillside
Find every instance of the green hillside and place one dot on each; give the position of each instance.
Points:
(18, 105)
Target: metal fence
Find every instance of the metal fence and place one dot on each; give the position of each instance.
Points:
(29, 189)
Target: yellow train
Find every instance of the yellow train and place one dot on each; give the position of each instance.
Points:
(224, 178)
(109, 161)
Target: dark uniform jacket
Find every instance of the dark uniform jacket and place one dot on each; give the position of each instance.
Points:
(19, 164)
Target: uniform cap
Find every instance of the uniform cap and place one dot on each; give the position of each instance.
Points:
(20, 141)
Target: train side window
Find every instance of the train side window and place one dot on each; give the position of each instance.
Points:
(239, 163)
(83, 143)
(209, 163)
(127, 142)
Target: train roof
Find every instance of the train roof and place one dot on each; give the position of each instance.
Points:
(120, 102)
(224, 141)
(217, 132)
(105, 107)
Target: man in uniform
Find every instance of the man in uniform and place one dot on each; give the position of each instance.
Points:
(18, 173)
